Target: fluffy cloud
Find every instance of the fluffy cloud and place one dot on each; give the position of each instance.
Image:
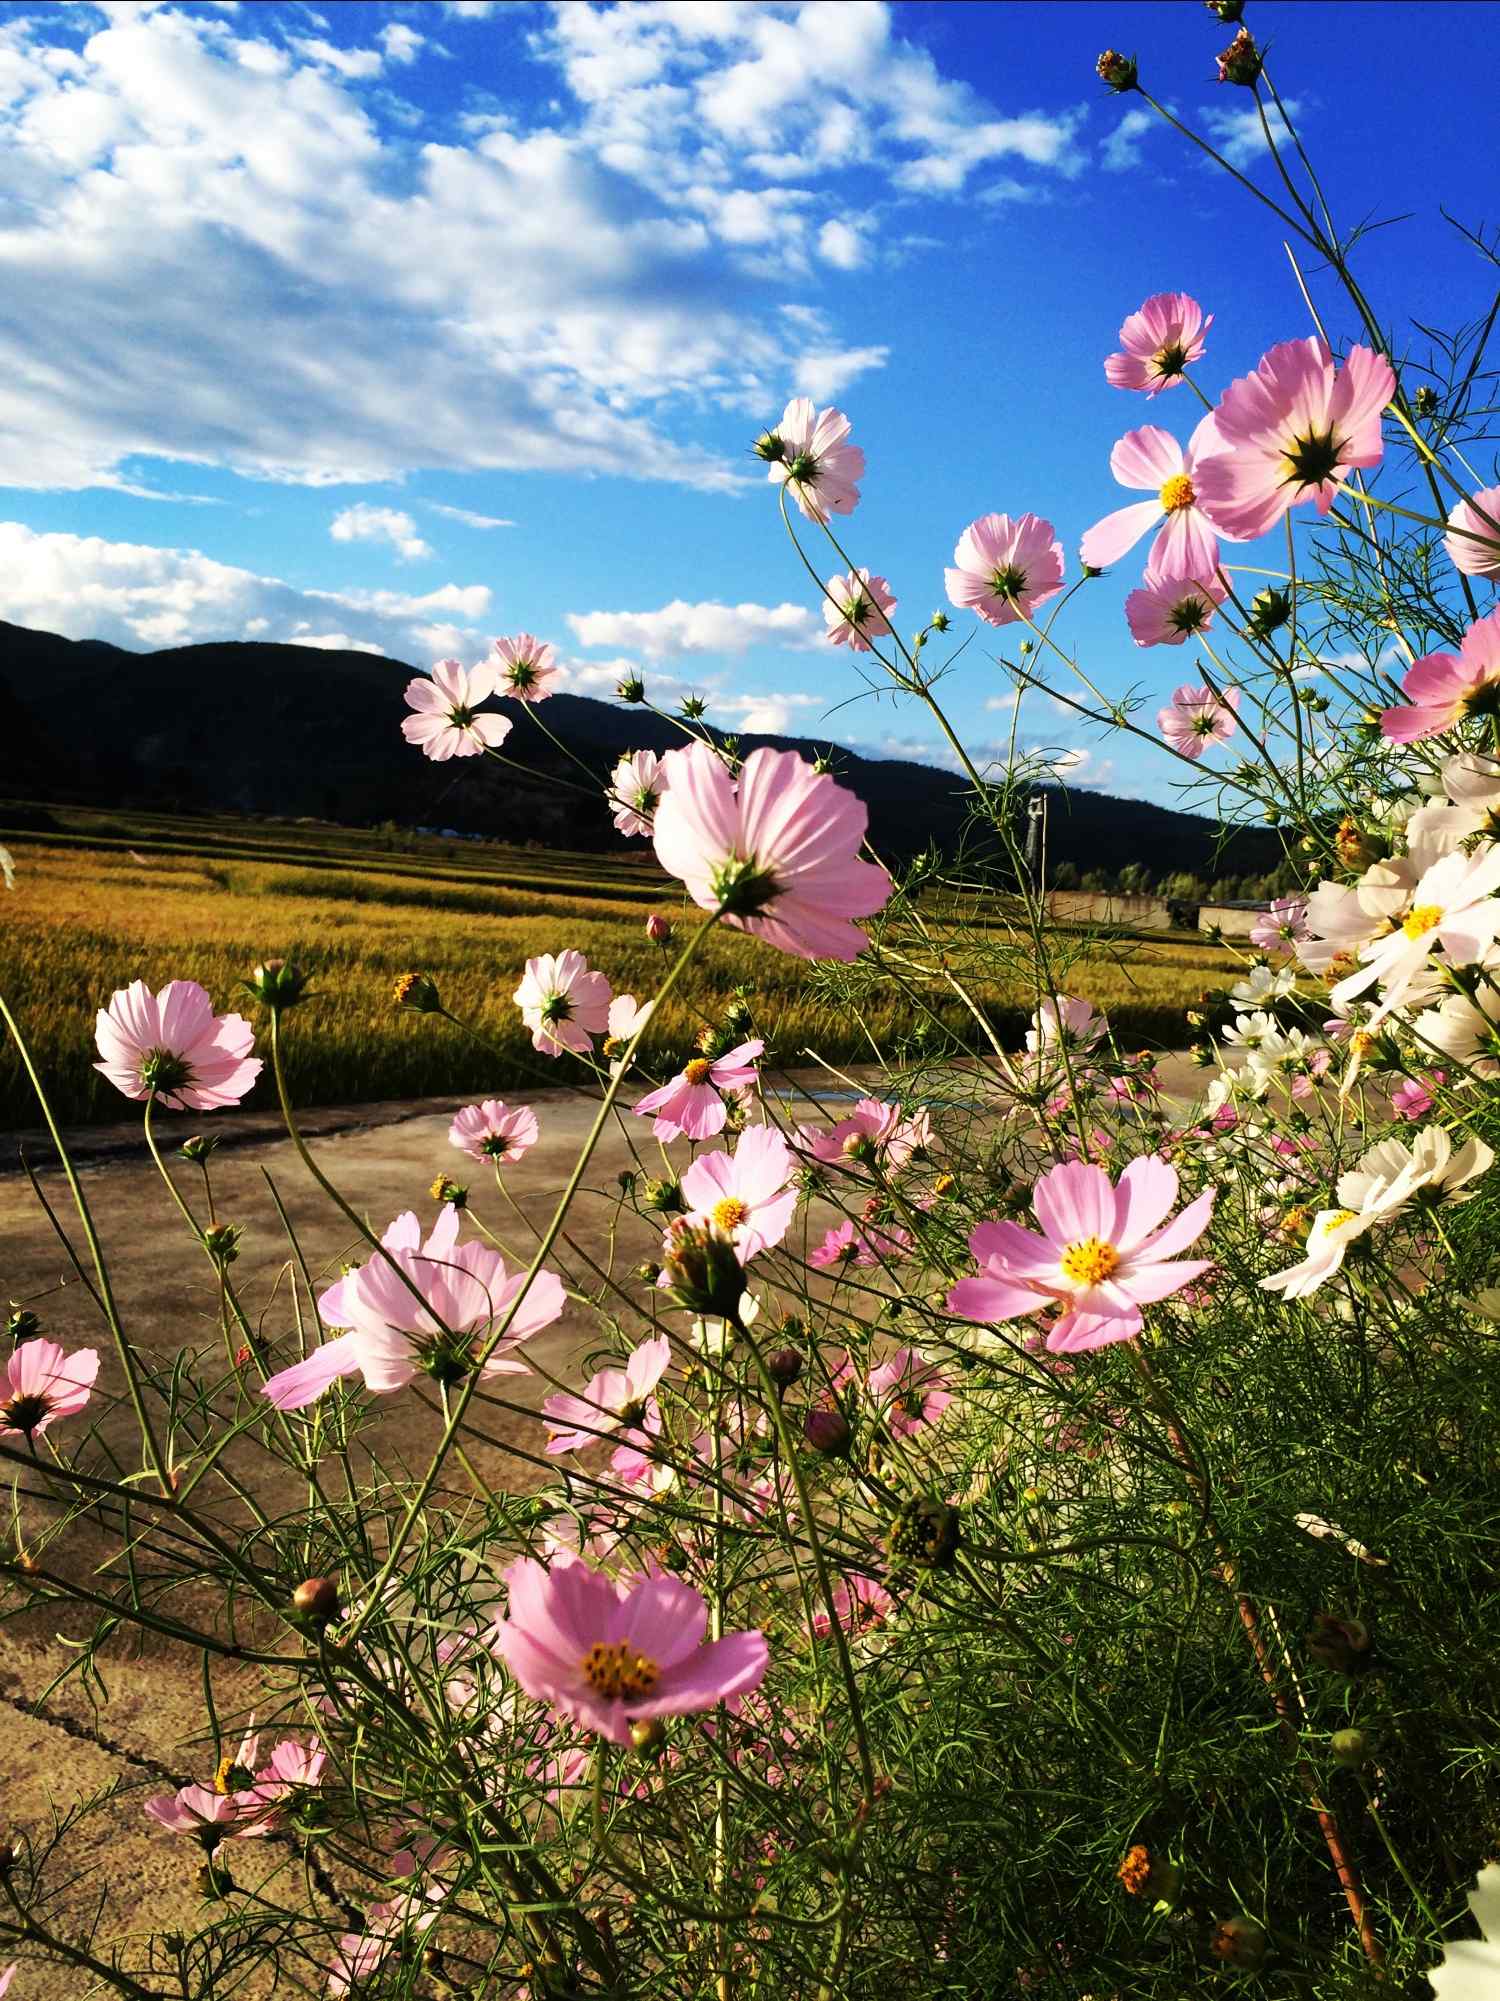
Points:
(139, 596)
(680, 628)
(364, 523)
(1239, 134)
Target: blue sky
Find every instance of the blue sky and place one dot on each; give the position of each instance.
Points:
(407, 325)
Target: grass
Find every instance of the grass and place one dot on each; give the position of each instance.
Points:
(102, 900)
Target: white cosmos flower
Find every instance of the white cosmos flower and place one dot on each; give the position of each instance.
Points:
(1454, 906)
(1391, 1174)
(1466, 1028)
(1251, 1032)
(1332, 1232)
(1264, 983)
(1470, 1969)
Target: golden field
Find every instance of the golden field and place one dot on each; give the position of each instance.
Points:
(101, 900)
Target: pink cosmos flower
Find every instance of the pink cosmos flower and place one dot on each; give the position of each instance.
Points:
(862, 1604)
(846, 1245)
(1473, 538)
(1446, 688)
(1165, 611)
(359, 1954)
(606, 1652)
(174, 1044)
(563, 1003)
(1412, 1097)
(1004, 568)
(744, 1195)
(1063, 1022)
(778, 853)
(613, 1399)
(7, 1975)
(875, 1134)
(1158, 342)
(816, 462)
(211, 1817)
(41, 1384)
(494, 1131)
(1293, 430)
(525, 668)
(1197, 717)
(856, 609)
(292, 1766)
(909, 1390)
(1282, 928)
(690, 1106)
(461, 1291)
(446, 723)
(635, 787)
(1105, 1252)
(1187, 545)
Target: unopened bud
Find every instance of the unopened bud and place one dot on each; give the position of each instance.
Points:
(648, 1272)
(648, 1734)
(1118, 71)
(663, 1196)
(926, 1531)
(316, 1599)
(626, 1180)
(199, 1146)
(418, 992)
(693, 707)
(222, 1242)
(783, 1366)
(1269, 609)
(1350, 1748)
(23, 1325)
(277, 984)
(940, 621)
(703, 1273)
(631, 689)
(1239, 1941)
(1425, 402)
(828, 1432)
(1344, 1645)
(770, 447)
(1228, 11)
(658, 928)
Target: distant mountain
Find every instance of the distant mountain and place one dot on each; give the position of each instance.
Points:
(248, 727)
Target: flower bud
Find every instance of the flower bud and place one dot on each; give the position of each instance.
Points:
(663, 1196)
(316, 1599)
(783, 1366)
(222, 1242)
(626, 1180)
(648, 1734)
(1239, 1941)
(418, 992)
(940, 621)
(444, 1189)
(1143, 1874)
(199, 1146)
(1228, 11)
(703, 1273)
(1425, 402)
(926, 1531)
(1269, 609)
(1241, 61)
(648, 1273)
(828, 1432)
(1343, 1645)
(1350, 1748)
(658, 928)
(1118, 71)
(770, 447)
(277, 984)
(631, 689)
(23, 1324)
(213, 1879)
(693, 707)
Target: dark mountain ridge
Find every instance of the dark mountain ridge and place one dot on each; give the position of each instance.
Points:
(251, 727)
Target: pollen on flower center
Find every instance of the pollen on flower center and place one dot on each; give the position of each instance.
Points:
(729, 1214)
(616, 1671)
(1089, 1261)
(1177, 493)
(1336, 1219)
(1426, 917)
(697, 1071)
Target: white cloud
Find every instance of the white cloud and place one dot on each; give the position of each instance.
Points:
(400, 42)
(1073, 766)
(470, 10)
(842, 244)
(352, 63)
(467, 515)
(140, 596)
(825, 372)
(1122, 148)
(1239, 134)
(363, 523)
(680, 628)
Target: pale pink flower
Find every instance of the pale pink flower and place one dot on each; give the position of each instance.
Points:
(43, 1383)
(173, 1044)
(446, 722)
(1294, 430)
(875, 1134)
(1197, 717)
(494, 1131)
(1445, 689)
(1187, 545)
(909, 1390)
(1062, 1022)
(563, 1003)
(210, 1817)
(359, 1954)
(1105, 1252)
(605, 1652)
(1473, 538)
(636, 786)
(1283, 927)
(744, 1195)
(1004, 568)
(1412, 1097)
(1165, 611)
(690, 1106)
(524, 668)
(1159, 341)
(868, 1247)
(423, 1307)
(816, 462)
(856, 609)
(1453, 906)
(7, 1975)
(613, 1400)
(778, 853)
(863, 1605)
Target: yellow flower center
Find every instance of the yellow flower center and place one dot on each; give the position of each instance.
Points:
(1426, 917)
(729, 1214)
(1089, 1262)
(1177, 493)
(619, 1671)
(697, 1071)
(1336, 1219)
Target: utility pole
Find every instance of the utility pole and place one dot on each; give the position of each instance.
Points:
(1036, 841)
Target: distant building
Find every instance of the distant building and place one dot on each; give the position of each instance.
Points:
(1232, 920)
